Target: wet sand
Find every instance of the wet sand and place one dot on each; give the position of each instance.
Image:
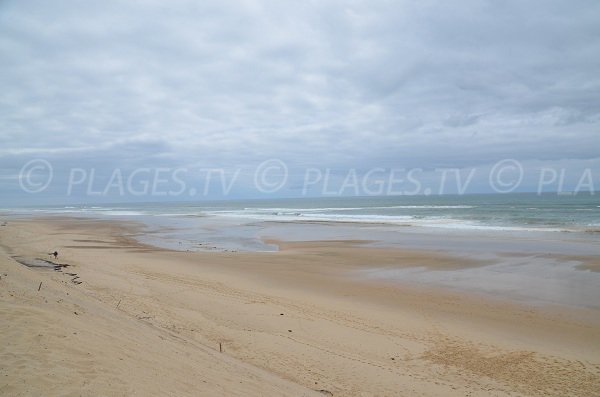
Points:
(149, 321)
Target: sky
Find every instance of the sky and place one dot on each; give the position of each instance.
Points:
(294, 95)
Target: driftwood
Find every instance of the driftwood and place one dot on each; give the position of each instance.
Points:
(325, 392)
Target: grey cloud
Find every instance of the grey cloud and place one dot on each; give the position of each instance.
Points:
(343, 84)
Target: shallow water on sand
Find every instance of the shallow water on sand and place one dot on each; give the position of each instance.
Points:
(531, 267)
(527, 278)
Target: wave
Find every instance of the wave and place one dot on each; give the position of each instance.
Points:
(318, 217)
(323, 209)
(88, 211)
(394, 220)
(422, 214)
(289, 209)
(432, 206)
(122, 213)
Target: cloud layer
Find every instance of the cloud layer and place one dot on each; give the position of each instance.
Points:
(325, 83)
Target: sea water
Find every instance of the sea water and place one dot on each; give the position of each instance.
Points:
(524, 211)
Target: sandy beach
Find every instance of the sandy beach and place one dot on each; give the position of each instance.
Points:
(125, 318)
(314, 198)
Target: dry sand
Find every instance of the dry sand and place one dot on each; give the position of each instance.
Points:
(146, 321)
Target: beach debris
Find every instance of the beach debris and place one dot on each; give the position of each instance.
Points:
(289, 330)
(42, 263)
(118, 304)
(325, 392)
(281, 314)
(40, 286)
(59, 266)
(220, 348)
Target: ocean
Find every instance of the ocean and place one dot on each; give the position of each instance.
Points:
(509, 212)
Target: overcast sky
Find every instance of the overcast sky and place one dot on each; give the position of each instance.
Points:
(325, 84)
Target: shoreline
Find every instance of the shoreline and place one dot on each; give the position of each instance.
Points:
(510, 263)
(298, 315)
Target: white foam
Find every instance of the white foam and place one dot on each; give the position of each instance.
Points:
(398, 220)
(319, 209)
(323, 209)
(122, 213)
(89, 211)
